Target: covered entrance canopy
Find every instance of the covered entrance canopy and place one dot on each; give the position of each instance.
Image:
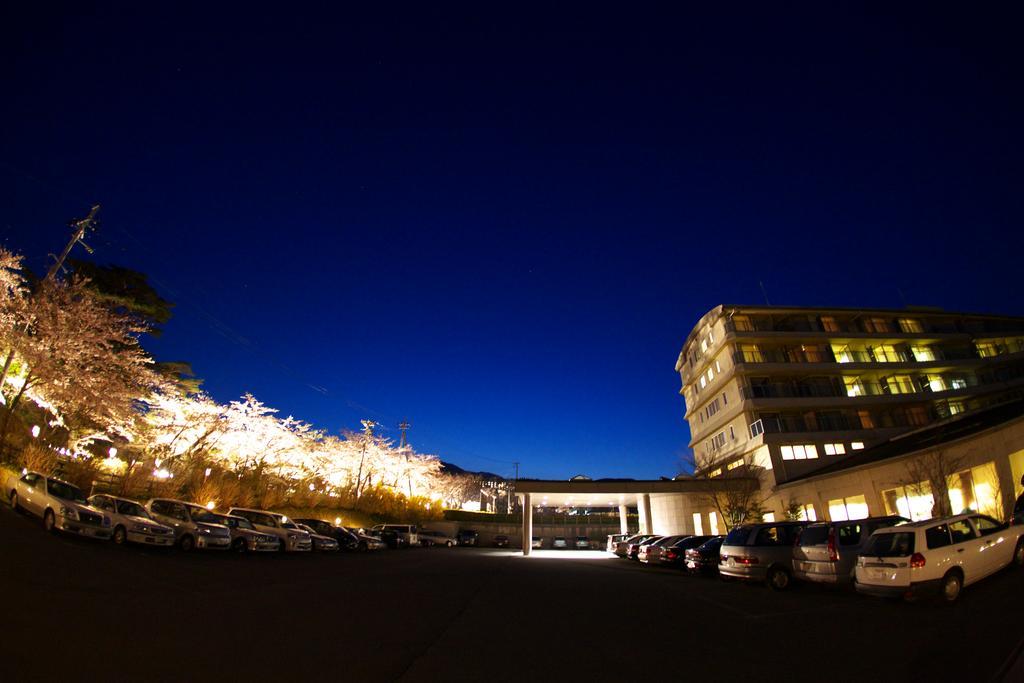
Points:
(624, 493)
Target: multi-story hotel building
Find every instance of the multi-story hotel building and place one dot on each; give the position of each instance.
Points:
(795, 390)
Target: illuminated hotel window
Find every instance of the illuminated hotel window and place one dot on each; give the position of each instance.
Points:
(957, 383)
(851, 507)
(922, 354)
(886, 353)
(698, 524)
(713, 519)
(711, 374)
(835, 449)
(829, 324)
(742, 323)
(704, 345)
(876, 325)
(768, 517)
(857, 445)
(955, 407)
(734, 465)
(936, 383)
(913, 502)
(718, 367)
(799, 452)
(807, 513)
(987, 349)
(910, 325)
(853, 386)
(703, 381)
(715, 472)
(865, 419)
(842, 354)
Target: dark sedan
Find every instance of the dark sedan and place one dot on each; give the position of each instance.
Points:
(346, 539)
(675, 554)
(704, 558)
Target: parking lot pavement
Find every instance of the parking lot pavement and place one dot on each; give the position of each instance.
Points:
(441, 614)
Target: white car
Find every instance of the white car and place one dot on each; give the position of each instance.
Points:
(61, 505)
(194, 526)
(937, 556)
(131, 522)
(290, 539)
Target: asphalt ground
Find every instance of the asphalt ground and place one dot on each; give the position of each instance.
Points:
(74, 609)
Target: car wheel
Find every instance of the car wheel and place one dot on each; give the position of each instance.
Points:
(1018, 554)
(14, 501)
(120, 535)
(778, 579)
(187, 543)
(951, 585)
(240, 546)
(449, 544)
(49, 521)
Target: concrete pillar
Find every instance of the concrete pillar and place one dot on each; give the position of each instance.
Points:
(527, 524)
(643, 506)
(623, 523)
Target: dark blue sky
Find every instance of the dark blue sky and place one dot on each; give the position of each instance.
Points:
(503, 226)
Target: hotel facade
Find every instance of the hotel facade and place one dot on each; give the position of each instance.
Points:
(799, 392)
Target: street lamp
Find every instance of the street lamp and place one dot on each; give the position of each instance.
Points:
(112, 452)
(35, 431)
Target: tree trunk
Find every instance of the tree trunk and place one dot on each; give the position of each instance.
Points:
(7, 366)
(10, 411)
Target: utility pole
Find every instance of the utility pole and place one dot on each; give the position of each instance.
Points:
(80, 228)
(403, 427)
(513, 490)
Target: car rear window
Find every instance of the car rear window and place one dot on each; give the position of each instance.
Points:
(898, 544)
(738, 536)
(849, 534)
(937, 537)
(816, 534)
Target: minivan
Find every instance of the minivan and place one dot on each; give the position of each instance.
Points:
(826, 552)
(760, 552)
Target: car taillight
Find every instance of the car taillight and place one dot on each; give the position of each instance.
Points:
(671, 554)
(916, 561)
(833, 554)
(746, 560)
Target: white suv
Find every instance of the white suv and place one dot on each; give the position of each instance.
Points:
(291, 539)
(937, 556)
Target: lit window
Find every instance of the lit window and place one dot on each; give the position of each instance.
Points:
(987, 349)
(857, 445)
(799, 452)
(914, 502)
(955, 408)
(734, 465)
(703, 381)
(768, 517)
(787, 452)
(909, 325)
(853, 386)
(851, 507)
(829, 324)
(715, 472)
(958, 384)
(886, 353)
(713, 519)
(711, 336)
(711, 374)
(922, 354)
(935, 383)
(718, 367)
(704, 345)
(698, 524)
(835, 449)
(876, 325)
(807, 513)
(812, 451)
(842, 354)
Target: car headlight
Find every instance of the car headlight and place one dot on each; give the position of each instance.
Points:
(293, 537)
(205, 532)
(140, 529)
(70, 513)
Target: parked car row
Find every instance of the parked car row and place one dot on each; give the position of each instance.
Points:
(563, 543)
(166, 522)
(882, 556)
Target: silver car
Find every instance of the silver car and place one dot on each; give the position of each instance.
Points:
(131, 522)
(826, 552)
(244, 536)
(194, 526)
(289, 539)
(321, 543)
(61, 505)
(760, 552)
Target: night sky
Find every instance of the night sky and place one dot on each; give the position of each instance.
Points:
(502, 227)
